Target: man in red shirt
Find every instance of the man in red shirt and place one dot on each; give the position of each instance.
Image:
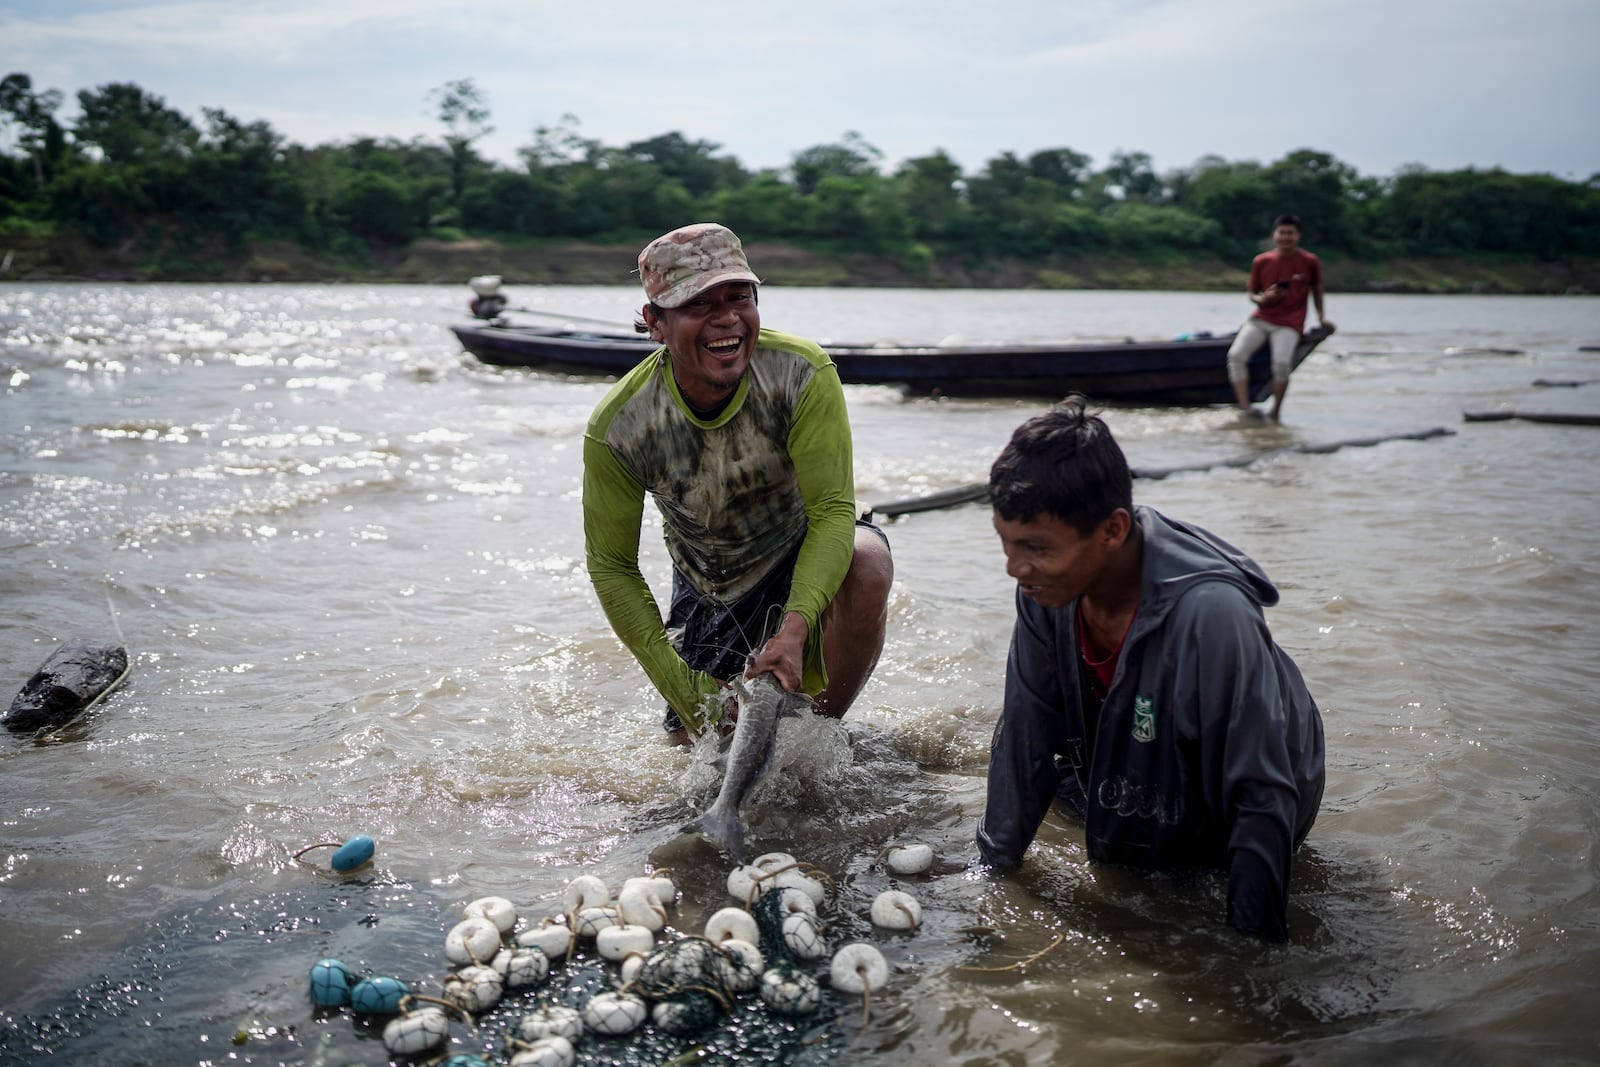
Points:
(1280, 282)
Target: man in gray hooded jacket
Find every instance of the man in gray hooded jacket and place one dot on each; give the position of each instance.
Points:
(1143, 688)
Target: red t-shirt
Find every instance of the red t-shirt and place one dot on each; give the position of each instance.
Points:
(1303, 272)
(1100, 671)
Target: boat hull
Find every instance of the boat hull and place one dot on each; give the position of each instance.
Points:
(1166, 373)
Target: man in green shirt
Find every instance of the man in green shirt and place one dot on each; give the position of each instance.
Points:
(741, 436)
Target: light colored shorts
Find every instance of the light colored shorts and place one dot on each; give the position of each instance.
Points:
(1284, 340)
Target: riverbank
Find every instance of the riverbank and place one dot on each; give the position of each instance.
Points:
(432, 261)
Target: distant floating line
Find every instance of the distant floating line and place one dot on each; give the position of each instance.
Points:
(1558, 417)
(978, 492)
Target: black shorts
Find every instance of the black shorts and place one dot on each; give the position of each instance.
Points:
(718, 637)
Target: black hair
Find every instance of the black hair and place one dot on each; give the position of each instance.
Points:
(1287, 219)
(641, 326)
(1063, 463)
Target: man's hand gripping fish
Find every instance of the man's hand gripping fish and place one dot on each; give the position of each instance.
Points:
(762, 702)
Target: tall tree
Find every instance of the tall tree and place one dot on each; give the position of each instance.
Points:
(1061, 167)
(554, 146)
(1315, 185)
(33, 115)
(693, 163)
(929, 187)
(850, 157)
(1132, 173)
(240, 173)
(129, 125)
(465, 114)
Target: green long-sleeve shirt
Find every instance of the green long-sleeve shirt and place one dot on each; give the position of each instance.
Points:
(736, 493)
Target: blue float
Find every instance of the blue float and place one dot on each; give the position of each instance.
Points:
(330, 983)
(353, 853)
(377, 996)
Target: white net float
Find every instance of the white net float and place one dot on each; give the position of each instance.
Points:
(497, 910)
(732, 923)
(639, 905)
(740, 965)
(773, 861)
(858, 968)
(551, 937)
(792, 900)
(475, 988)
(614, 1013)
(658, 886)
(666, 889)
(631, 966)
(801, 881)
(685, 962)
(790, 992)
(803, 934)
(472, 941)
(588, 922)
(894, 909)
(416, 1031)
(521, 967)
(742, 882)
(546, 1052)
(585, 891)
(675, 1017)
(908, 859)
(551, 1020)
(617, 943)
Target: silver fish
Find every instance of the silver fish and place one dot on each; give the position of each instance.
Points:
(762, 702)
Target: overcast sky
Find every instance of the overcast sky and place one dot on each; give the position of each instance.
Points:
(1378, 83)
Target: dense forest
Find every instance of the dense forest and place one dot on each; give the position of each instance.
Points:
(133, 174)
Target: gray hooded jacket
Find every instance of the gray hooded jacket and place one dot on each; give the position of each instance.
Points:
(1207, 751)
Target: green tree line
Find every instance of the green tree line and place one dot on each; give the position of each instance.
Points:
(131, 168)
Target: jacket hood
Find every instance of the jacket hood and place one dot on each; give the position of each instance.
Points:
(1178, 556)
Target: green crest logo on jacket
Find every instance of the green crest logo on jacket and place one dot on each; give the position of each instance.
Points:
(1144, 719)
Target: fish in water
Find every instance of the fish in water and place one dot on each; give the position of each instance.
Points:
(762, 702)
(66, 685)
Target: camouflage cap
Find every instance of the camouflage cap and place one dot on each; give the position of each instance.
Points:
(678, 266)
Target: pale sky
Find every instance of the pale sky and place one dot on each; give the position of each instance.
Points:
(1379, 84)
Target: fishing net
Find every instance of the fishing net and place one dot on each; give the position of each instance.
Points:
(688, 980)
(770, 913)
(161, 1001)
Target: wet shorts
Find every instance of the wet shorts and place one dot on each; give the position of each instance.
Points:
(719, 638)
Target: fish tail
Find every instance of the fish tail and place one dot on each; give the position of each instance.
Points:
(727, 834)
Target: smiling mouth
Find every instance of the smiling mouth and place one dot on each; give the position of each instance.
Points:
(725, 347)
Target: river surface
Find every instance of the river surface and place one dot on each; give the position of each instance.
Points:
(347, 564)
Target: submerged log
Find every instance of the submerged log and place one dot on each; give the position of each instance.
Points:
(66, 685)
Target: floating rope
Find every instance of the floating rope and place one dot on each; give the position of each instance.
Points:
(46, 733)
(1558, 417)
(354, 853)
(1020, 964)
(411, 998)
(978, 492)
